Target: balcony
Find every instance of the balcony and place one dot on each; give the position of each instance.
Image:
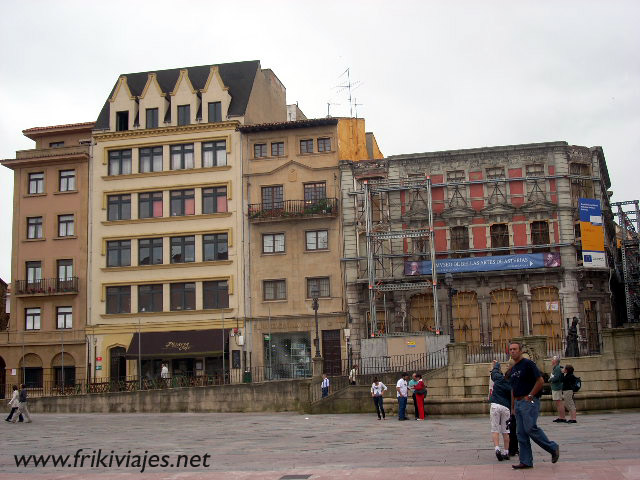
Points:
(293, 210)
(46, 286)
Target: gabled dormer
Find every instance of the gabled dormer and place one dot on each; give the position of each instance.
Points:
(153, 104)
(184, 101)
(215, 98)
(123, 107)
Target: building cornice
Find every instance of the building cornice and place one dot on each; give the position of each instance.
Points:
(105, 136)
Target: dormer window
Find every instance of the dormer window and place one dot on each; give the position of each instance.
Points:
(184, 114)
(56, 144)
(122, 121)
(215, 112)
(152, 118)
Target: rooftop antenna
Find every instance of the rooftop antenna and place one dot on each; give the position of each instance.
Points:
(356, 105)
(329, 107)
(349, 87)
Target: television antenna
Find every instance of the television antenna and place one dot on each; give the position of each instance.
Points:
(349, 87)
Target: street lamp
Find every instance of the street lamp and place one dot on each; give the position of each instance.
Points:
(448, 281)
(314, 305)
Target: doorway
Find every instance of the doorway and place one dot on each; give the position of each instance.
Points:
(331, 351)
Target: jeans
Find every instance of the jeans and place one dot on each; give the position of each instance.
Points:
(13, 410)
(526, 417)
(415, 404)
(379, 404)
(402, 407)
(325, 392)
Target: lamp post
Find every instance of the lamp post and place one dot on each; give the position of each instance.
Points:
(314, 305)
(448, 281)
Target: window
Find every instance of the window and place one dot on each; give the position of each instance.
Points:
(272, 197)
(119, 299)
(260, 150)
(65, 270)
(320, 284)
(36, 183)
(150, 251)
(499, 236)
(65, 226)
(56, 144)
(150, 159)
(495, 173)
(67, 181)
(150, 298)
(314, 192)
(214, 154)
(122, 121)
(119, 162)
(183, 249)
(214, 200)
(277, 149)
(215, 247)
(317, 240)
(32, 318)
(215, 294)
(119, 253)
(150, 205)
(535, 170)
(540, 233)
(182, 156)
(118, 207)
(184, 114)
(324, 145)
(64, 316)
(182, 202)
(460, 240)
(306, 146)
(274, 290)
(34, 227)
(152, 118)
(34, 273)
(183, 296)
(32, 377)
(273, 243)
(215, 112)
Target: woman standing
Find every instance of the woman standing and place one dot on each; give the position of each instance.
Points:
(13, 403)
(421, 391)
(377, 390)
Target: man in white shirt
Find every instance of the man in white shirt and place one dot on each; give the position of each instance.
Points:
(402, 388)
(325, 385)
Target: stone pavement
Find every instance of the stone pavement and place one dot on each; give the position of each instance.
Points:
(288, 445)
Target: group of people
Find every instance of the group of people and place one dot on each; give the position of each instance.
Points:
(415, 386)
(563, 385)
(18, 404)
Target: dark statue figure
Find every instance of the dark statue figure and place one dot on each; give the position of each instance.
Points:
(572, 339)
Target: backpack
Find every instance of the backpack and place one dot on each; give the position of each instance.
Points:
(577, 384)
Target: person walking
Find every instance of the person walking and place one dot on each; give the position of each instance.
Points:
(22, 406)
(13, 403)
(526, 386)
(353, 375)
(500, 411)
(556, 381)
(402, 389)
(325, 385)
(420, 391)
(377, 391)
(568, 385)
(412, 383)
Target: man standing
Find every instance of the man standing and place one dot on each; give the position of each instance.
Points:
(325, 385)
(556, 380)
(526, 384)
(22, 406)
(403, 389)
(353, 375)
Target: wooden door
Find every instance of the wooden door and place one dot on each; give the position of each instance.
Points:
(505, 316)
(466, 320)
(331, 352)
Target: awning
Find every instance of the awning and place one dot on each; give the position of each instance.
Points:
(185, 343)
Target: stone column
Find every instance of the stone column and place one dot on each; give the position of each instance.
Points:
(457, 354)
(318, 366)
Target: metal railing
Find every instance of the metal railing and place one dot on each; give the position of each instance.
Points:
(486, 353)
(286, 209)
(46, 286)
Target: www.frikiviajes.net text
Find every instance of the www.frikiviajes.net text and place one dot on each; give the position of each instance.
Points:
(84, 458)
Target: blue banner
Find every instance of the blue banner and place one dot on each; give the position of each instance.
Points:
(590, 211)
(484, 264)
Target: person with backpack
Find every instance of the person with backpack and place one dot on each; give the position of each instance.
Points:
(22, 406)
(500, 412)
(569, 387)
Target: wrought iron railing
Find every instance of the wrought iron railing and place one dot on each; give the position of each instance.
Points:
(486, 353)
(292, 209)
(46, 286)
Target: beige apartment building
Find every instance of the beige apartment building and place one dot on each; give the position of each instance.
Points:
(293, 245)
(166, 220)
(43, 344)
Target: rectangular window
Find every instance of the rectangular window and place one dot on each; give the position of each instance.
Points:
(317, 240)
(214, 200)
(318, 286)
(118, 207)
(306, 146)
(273, 243)
(64, 316)
(67, 181)
(34, 227)
(260, 150)
(184, 114)
(540, 233)
(459, 240)
(183, 249)
(274, 290)
(324, 145)
(277, 149)
(119, 299)
(152, 118)
(150, 251)
(215, 294)
(150, 205)
(314, 192)
(183, 296)
(215, 247)
(495, 173)
(56, 144)
(36, 183)
(535, 170)
(119, 162)
(214, 154)
(150, 159)
(65, 270)
(150, 298)
(215, 112)
(34, 273)
(182, 202)
(119, 253)
(182, 156)
(499, 236)
(122, 121)
(32, 318)
(272, 197)
(65, 226)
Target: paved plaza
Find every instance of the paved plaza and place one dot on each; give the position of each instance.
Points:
(294, 446)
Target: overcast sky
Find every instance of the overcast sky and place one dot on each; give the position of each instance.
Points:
(430, 75)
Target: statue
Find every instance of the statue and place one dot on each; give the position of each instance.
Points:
(572, 339)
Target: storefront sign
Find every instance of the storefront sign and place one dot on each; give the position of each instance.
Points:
(411, 344)
(484, 264)
(553, 306)
(591, 233)
(180, 346)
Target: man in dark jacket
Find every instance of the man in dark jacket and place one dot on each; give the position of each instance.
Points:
(500, 411)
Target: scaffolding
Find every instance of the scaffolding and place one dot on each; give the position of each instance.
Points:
(629, 222)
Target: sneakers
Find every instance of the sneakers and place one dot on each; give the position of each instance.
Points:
(560, 420)
(521, 466)
(572, 421)
(555, 455)
(505, 457)
(499, 455)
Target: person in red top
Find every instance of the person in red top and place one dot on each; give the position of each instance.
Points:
(421, 390)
